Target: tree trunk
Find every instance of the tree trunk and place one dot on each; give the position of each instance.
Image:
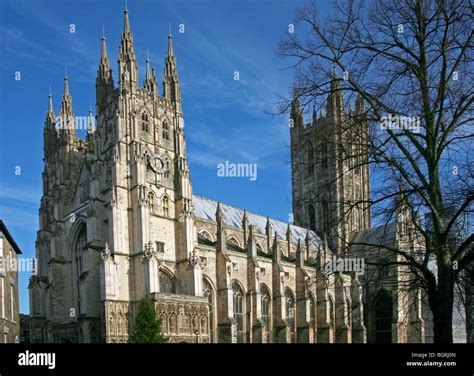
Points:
(442, 305)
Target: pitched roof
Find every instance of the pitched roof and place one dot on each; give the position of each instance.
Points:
(206, 209)
(9, 237)
(376, 236)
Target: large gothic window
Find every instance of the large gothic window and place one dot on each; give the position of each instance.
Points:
(145, 123)
(166, 283)
(167, 169)
(166, 204)
(266, 312)
(81, 241)
(79, 253)
(166, 131)
(238, 300)
(209, 293)
(383, 316)
(290, 313)
(151, 202)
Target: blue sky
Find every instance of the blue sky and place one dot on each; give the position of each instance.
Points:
(225, 119)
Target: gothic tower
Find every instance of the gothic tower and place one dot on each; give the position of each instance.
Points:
(116, 214)
(330, 176)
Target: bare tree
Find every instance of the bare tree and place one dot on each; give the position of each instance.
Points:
(409, 60)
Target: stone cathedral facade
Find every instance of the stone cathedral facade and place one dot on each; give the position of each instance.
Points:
(119, 221)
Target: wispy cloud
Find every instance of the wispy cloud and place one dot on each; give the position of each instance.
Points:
(19, 205)
(72, 50)
(263, 146)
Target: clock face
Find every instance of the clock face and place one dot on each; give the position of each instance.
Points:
(157, 163)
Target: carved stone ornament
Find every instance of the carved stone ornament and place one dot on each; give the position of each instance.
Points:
(105, 252)
(148, 250)
(195, 259)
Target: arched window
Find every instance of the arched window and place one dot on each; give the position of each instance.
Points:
(209, 293)
(81, 240)
(166, 132)
(238, 299)
(290, 313)
(266, 312)
(151, 202)
(167, 169)
(312, 217)
(166, 203)
(205, 234)
(383, 307)
(166, 283)
(259, 248)
(145, 124)
(234, 241)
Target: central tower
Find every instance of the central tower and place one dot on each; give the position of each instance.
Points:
(330, 174)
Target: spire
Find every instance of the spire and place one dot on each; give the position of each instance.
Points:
(49, 131)
(103, 54)
(66, 103)
(268, 226)
(150, 78)
(276, 251)
(126, 22)
(315, 116)
(268, 230)
(299, 255)
(296, 112)
(148, 70)
(66, 115)
(219, 215)
(171, 89)
(335, 102)
(66, 85)
(170, 45)
(50, 104)
(50, 115)
(90, 127)
(288, 233)
(245, 219)
(104, 72)
(104, 82)
(128, 70)
(360, 106)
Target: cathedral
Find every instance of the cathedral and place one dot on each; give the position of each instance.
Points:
(119, 222)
